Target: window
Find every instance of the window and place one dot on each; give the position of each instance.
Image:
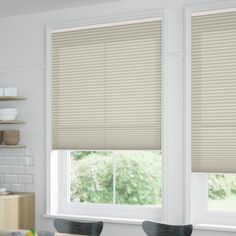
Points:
(213, 199)
(107, 88)
(213, 92)
(213, 126)
(222, 192)
(108, 184)
(106, 120)
(116, 177)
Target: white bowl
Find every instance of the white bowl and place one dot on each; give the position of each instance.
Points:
(8, 113)
(2, 190)
(10, 92)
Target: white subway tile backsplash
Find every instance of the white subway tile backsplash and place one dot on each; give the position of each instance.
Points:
(17, 170)
(10, 160)
(21, 160)
(7, 186)
(34, 161)
(10, 179)
(30, 170)
(2, 160)
(30, 188)
(1, 91)
(30, 152)
(18, 188)
(25, 179)
(29, 161)
(25, 161)
(5, 170)
(5, 152)
(34, 179)
(18, 152)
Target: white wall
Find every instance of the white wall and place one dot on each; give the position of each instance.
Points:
(22, 63)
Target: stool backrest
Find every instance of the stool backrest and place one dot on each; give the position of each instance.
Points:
(74, 227)
(157, 229)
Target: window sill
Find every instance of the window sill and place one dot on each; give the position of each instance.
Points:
(95, 218)
(222, 228)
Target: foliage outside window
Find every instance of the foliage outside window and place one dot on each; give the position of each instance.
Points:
(116, 177)
(222, 192)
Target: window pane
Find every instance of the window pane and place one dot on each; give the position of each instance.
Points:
(137, 181)
(91, 177)
(222, 192)
(138, 178)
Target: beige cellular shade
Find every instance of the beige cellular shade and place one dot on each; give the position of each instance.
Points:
(214, 93)
(107, 88)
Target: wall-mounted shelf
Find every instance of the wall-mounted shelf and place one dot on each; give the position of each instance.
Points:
(11, 98)
(10, 122)
(12, 146)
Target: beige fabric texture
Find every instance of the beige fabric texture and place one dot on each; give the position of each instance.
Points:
(214, 93)
(107, 88)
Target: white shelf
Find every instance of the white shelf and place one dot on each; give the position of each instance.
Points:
(12, 146)
(12, 122)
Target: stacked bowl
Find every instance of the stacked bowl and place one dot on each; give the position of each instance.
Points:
(8, 114)
(11, 137)
(4, 191)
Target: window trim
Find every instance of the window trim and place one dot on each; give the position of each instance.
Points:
(202, 214)
(92, 218)
(135, 17)
(102, 210)
(209, 216)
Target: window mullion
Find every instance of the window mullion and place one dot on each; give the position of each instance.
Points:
(114, 176)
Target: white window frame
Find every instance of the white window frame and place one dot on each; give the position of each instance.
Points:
(196, 184)
(200, 212)
(124, 212)
(65, 206)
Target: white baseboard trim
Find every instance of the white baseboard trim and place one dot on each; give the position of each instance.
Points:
(211, 227)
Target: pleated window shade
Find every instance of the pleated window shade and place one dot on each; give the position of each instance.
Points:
(214, 93)
(107, 88)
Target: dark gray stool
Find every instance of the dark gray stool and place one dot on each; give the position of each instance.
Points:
(74, 227)
(157, 229)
